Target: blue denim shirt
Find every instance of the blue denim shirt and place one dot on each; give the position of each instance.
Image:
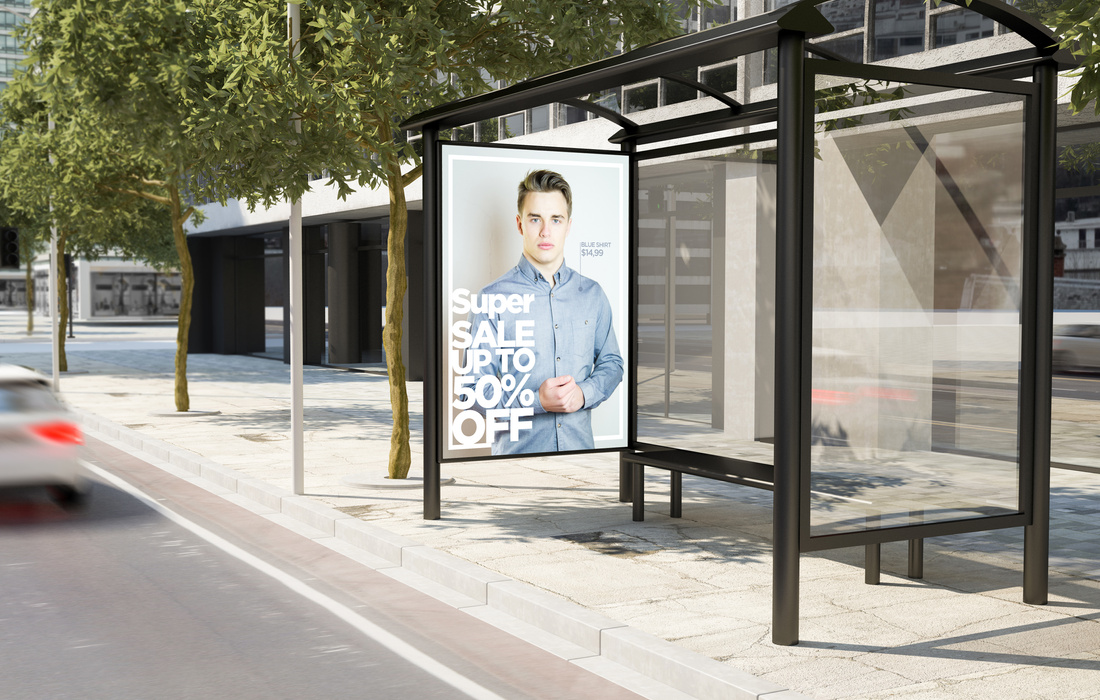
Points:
(572, 336)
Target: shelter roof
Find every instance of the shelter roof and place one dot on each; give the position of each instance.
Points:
(757, 33)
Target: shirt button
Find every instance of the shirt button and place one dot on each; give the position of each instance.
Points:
(559, 359)
(555, 325)
(559, 425)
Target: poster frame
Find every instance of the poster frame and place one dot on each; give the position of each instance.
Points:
(627, 340)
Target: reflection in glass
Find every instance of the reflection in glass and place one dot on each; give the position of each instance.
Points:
(843, 14)
(488, 130)
(609, 99)
(540, 118)
(705, 287)
(568, 114)
(641, 97)
(513, 125)
(899, 27)
(961, 26)
(722, 12)
(721, 78)
(675, 92)
(918, 211)
(849, 48)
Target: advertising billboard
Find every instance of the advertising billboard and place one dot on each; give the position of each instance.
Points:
(535, 293)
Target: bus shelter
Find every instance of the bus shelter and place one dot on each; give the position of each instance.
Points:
(841, 293)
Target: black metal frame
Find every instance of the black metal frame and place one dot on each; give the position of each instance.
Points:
(1027, 427)
(788, 30)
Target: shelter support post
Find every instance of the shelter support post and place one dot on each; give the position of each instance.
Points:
(872, 564)
(637, 484)
(676, 495)
(916, 558)
(1042, 146)
(626, 480)
(433, 325)
(626, 473)
(789, 269)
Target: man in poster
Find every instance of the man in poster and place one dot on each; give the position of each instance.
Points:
(543, 333)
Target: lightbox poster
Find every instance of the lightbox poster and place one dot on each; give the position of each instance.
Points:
(515, 340)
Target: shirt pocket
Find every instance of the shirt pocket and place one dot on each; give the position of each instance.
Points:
(583, 346)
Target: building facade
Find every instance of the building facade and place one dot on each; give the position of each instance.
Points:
(238, 251)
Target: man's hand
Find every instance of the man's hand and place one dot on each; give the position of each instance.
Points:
(561, 395)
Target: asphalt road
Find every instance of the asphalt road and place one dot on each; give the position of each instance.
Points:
(195, 597)
(1076, 386)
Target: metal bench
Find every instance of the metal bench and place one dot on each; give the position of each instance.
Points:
(734, 471)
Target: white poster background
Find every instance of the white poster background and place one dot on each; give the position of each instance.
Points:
(481, 243)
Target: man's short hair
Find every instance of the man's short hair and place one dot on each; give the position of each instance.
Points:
(544, 181)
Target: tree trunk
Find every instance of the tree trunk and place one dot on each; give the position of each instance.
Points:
(187, 274)
(30, 294)
(62, 301)
(396, 285)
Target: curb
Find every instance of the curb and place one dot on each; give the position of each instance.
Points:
(641, 662)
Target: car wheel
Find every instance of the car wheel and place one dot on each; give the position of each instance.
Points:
(68, 497)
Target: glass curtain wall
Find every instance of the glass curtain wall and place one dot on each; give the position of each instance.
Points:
(917, 233)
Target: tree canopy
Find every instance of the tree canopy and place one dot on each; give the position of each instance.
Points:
(364, 66)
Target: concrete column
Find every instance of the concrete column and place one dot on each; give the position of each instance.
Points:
(413, 344)
(313, 279)
(748, 327)
(227, 312)
(372, 293)
(313, 297)
(343, 294)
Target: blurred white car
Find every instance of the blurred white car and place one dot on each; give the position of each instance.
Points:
(40, 440)
(1076, 347)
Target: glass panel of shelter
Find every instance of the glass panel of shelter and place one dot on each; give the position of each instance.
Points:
(705, 303)
(917, 265)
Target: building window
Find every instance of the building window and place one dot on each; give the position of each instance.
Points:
(1081, 238)
(844, 15)
(8, 67)
(488, 130)
(723, 12)
(959, 26)
(720, 78)
(850, 48)
(673, 92)
(640, 97)
(463, 133)
(899, 28)
(567, 114)
(10, 20)
(513, 125)
(540, 118)
(9, 44)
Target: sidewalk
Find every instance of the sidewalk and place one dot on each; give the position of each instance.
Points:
(701, 582)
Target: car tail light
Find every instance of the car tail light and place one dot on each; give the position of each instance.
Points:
(60, 432)
(832, 398)
(891, 394)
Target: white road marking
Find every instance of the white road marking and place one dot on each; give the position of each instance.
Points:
(371, 630)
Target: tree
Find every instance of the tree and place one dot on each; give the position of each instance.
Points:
(47, 186)
(31, 243)
(1078, 23)
(367, 65)
(122, 78)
